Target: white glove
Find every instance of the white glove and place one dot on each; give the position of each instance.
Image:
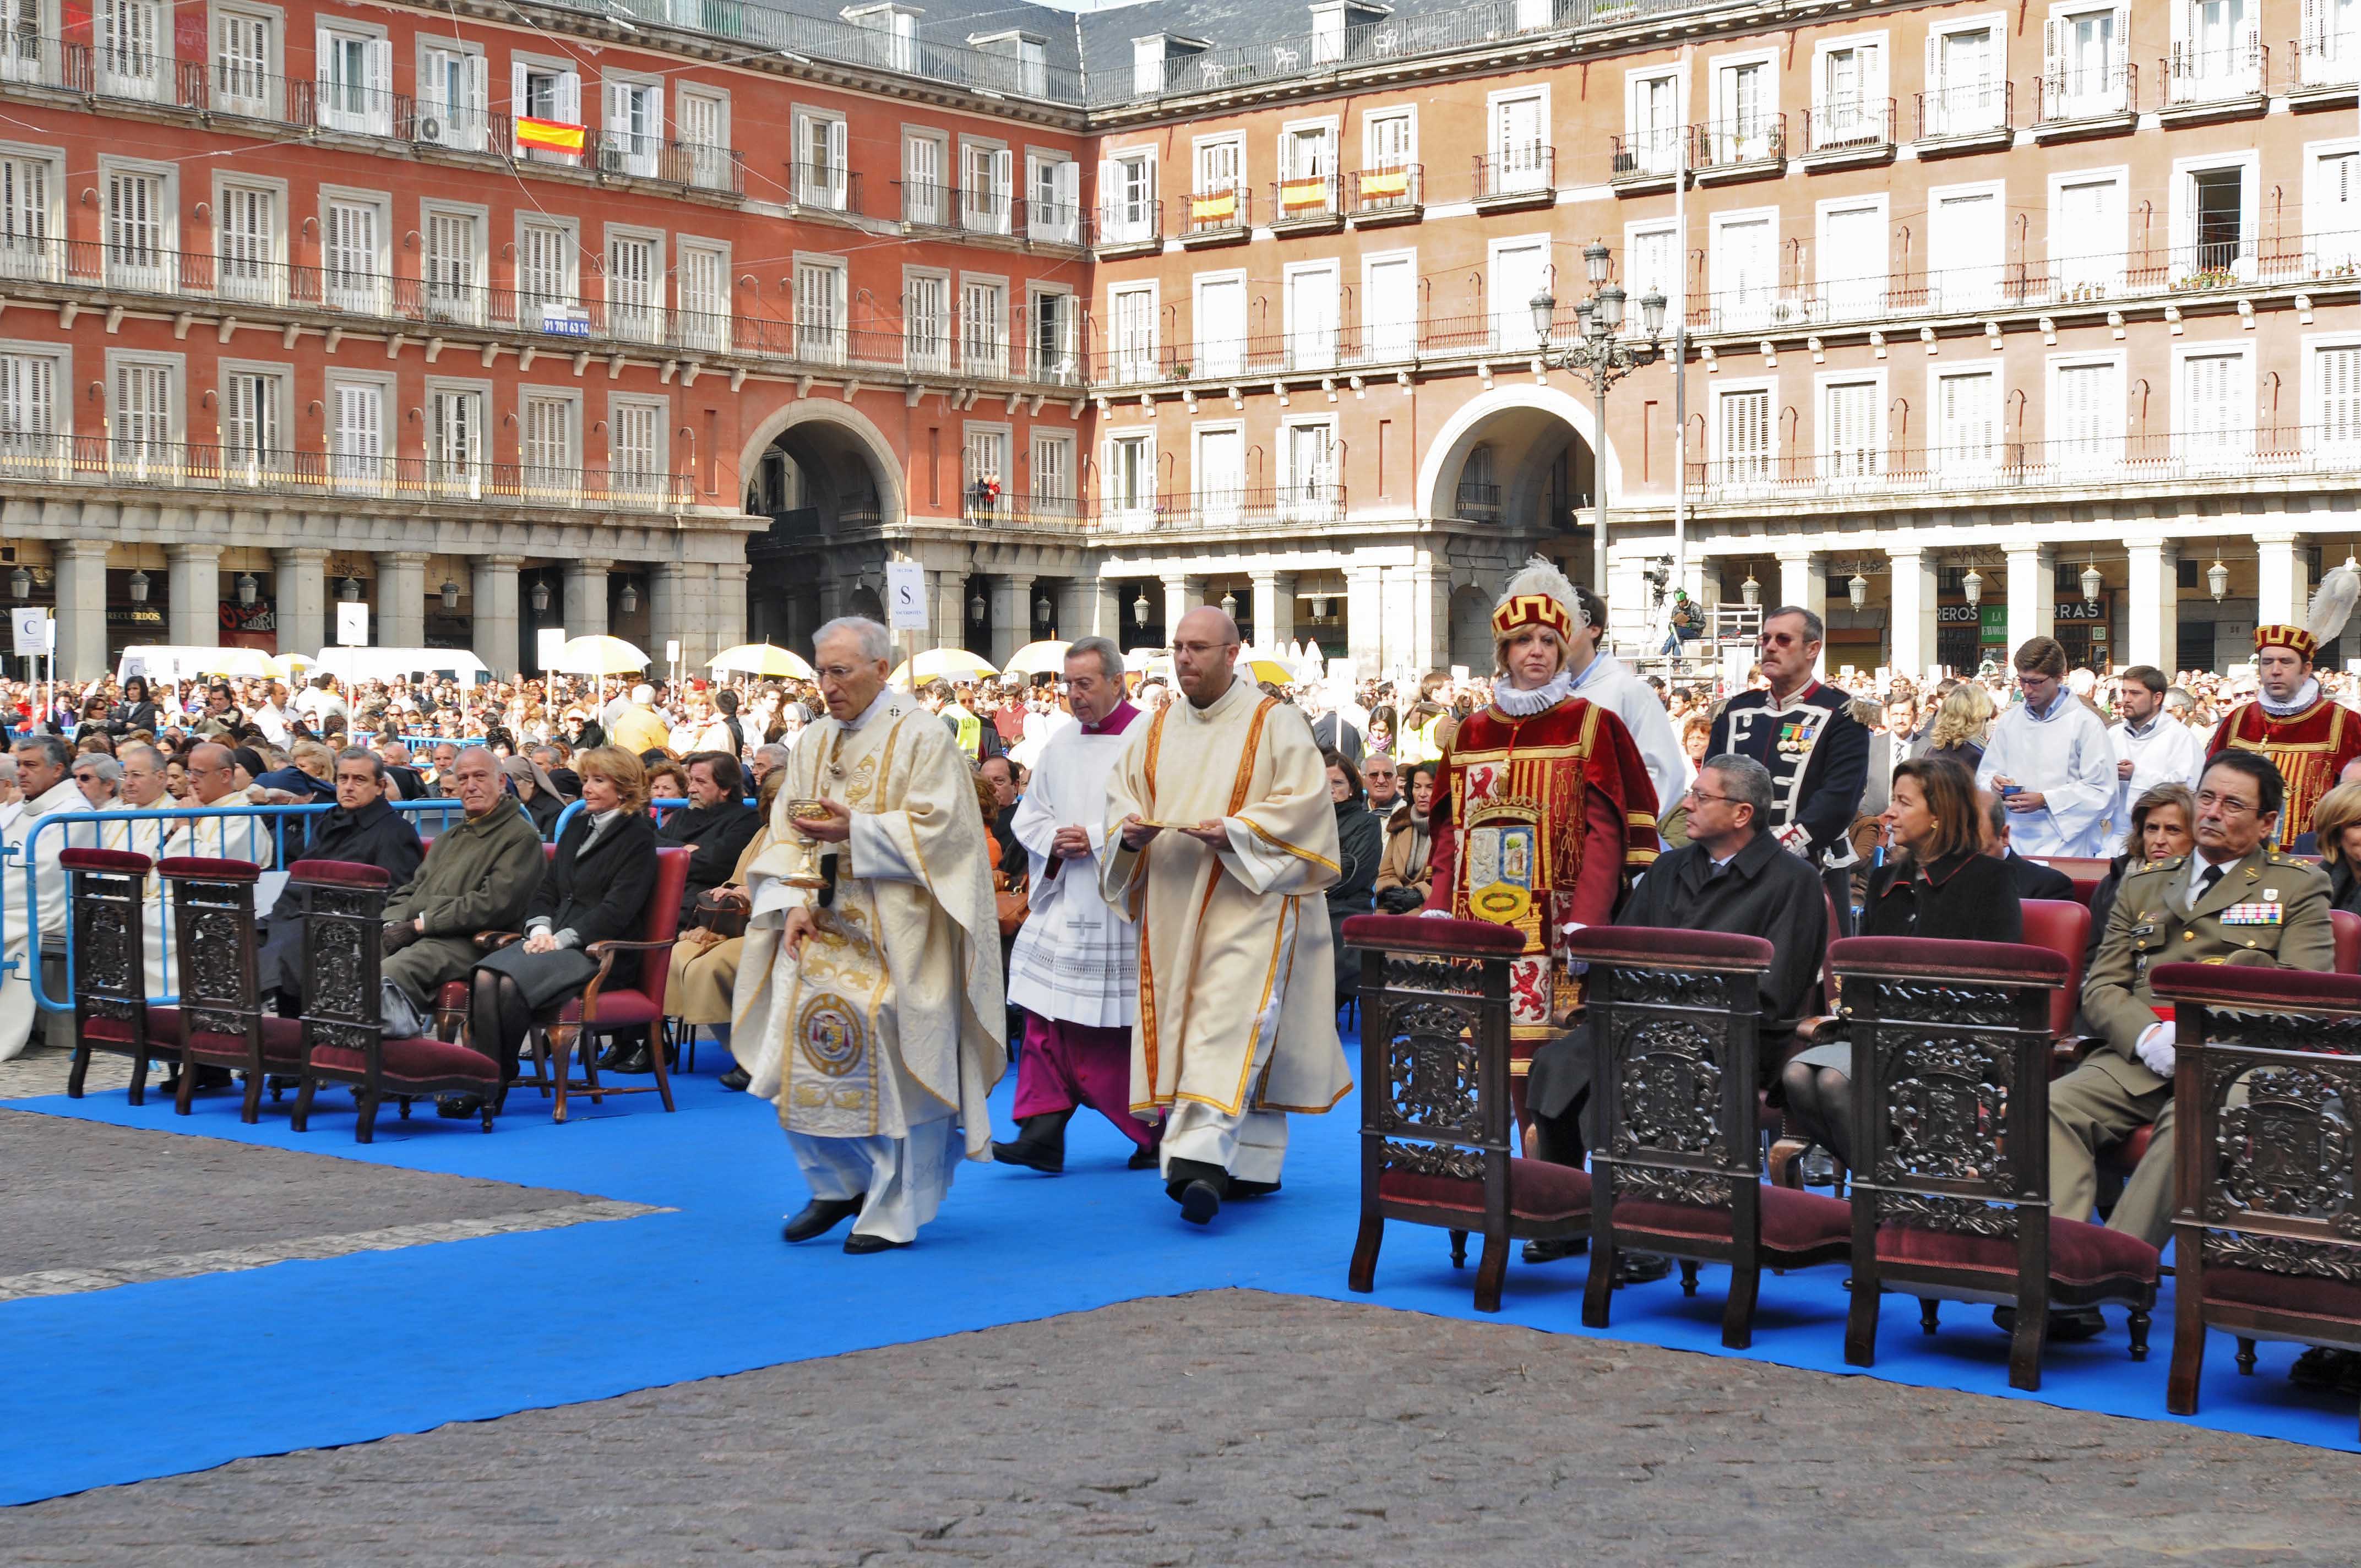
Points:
(2154, 1049)
(1795, 839)
(1434, 913)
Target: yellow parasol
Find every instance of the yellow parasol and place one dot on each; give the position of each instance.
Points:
(943, 664)
(760, 659)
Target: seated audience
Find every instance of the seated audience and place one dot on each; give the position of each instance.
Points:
(1360, 845)
(716, 827)
(2034, 880)
(362, 826)
(1937, 883)
(2336, 826)
(480, 875)
(2163, 825)
(705, 962)
(2195, 909)
(536, 791)
(1406, 871)
(596, 890)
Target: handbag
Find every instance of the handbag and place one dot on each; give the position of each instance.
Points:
(724, 917)
(1011, 904)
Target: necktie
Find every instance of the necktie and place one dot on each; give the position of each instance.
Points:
(2205, 881)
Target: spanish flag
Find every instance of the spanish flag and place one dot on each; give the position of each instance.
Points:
(1297, 194)
(1384, 185)
(1220, 207)
(551, 136)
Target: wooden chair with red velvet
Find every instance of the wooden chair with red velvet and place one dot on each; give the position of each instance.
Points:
(1950, 1196)
(221, 1016)
(1676, 1027)
(109, 953)
(559, 1033)
(1436, 1103)
(2267, 1232)
(343, 1022)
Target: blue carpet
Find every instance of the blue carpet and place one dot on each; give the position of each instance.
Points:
(157, 1379)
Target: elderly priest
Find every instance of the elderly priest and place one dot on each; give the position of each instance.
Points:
(1221, 837)
(868, 1001)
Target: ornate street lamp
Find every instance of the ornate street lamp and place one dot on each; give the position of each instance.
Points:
(1972, 586)
(1751, 591)
(20, 582)
(1600, 356)
(540, 598)
(1858, 589)
(2217, 579)
(1042, 608)
(1229, 604)
(629, 600)
(1139, 611)
(350, 592)
(138, 587)
(2092, 583)
(975, 608)
(249, 590)
(450, 594)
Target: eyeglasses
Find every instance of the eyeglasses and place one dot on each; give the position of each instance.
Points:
(1700, 794)
(2228, 804)
(836, 672)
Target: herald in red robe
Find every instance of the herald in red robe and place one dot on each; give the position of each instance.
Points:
(2310, 749)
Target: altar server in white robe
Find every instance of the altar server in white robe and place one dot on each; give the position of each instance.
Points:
(1075, 967)
(1221, 837)
(45, 776)
(2152, 748)
(870, 1007)
(1601, 677)
(2050, 761)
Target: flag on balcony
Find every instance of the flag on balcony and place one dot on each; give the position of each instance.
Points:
(1384, 185)
(551, 136)
(1219, 207)
(1295, 195)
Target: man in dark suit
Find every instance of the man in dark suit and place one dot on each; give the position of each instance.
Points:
(363, 828)
(2034, 880)
(717, 826)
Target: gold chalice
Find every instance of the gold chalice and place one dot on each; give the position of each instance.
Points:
(804, 868)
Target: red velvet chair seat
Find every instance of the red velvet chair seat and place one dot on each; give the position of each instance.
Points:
(1538, 1190)
(283, 1039)
(116, 1031)
(421, 1060)
(2081, 1253)
(1792, 1222)
(617, 1010)
(2306, 1294)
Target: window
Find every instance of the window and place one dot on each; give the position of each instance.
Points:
(356, 456)
(1053, 211)
(1131, 479)
(1852, 259)
(636, 445)
(2216, 50)
(983, 328)
(451, 263)
(1127, 199)
(452, 91)
(24, 46)
(246, 245)
(1742, 436)
(1311, 300)
(26, 249)
(987, 188)
(927, 321)
(1651, 125)
(705, 313)
(633, 142)
(2215, 425)
(132, 50)
(2219, 243)
(2086, 402)
(1053, 473)
(1389, 140)
(355, 91)
(1966, 230)
(1742, 266)
(925, 200)
(2330, 49)
(550, 93)
(1053, 338)
(1744, 113)
(547, 441)
(1310, 452)
(352, 271)
(1853, 441)
(245, 78)
(1220, 474)
(1850, 89)
(2087, 236)
(1519, 145)
(1307, 170)
(819, 311)
(984, 471)
(1967, 422)
(455, 439)
(701, 120)
(2336, 397)
(545, 272)
(635, 286)
(1133, 334)
(29, 412)
(2082, 50)
(899, 26)
(1965, 86)
(822, 168)
(1520, 271)
(1390, 306)
(1221, 326)
(1221, 171)
(138, 240)
(2332, 209)
(143, 412)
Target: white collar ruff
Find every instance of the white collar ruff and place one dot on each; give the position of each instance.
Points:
(1520, 704)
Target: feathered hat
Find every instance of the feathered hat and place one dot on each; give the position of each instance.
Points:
(1539, 596)
(2331, 607)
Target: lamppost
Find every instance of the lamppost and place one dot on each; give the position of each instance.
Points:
(1602, 356)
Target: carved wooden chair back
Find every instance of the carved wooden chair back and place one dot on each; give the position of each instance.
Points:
(2267, 1232)
(221, 1002)
(109, 963)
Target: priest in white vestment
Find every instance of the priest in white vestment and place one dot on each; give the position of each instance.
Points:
(2050, 761)
(870, 1008)
(2152, 748)
(1221, 839)
(1075, 967)
(45, 775)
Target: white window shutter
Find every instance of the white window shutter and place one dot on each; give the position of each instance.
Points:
(1935, 83)
(619, 107)
(2121, 50)
(381, 78)
(518, 108)
(838, 173)
(2053, 65)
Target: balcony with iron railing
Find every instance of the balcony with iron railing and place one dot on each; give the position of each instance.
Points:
(1477, 503)
(1307, 201)
(1843, 131)
(2325, 67)
(824, 188)
(696, 165)
(1394, 194)
(1222, 213)
(1522, 176)
(117, 461)
(1120, 227)
(1301, 503)
(1062, 513)
(928, 207)
(2213, 82)
(1386, 343)
(1970, 117)
(2077, 101)
(1647, 159)
(2095, 461)
(1750, 146)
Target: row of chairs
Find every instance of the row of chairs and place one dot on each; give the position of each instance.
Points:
(1952, 1053)
(221, 1020)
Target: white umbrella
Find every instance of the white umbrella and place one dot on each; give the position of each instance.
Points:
(1038, 659)
(599, 656)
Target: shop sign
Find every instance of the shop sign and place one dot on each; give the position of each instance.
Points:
(262, 615)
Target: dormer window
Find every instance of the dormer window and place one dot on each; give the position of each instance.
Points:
(900, 22)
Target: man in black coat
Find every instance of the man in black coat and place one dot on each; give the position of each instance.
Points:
(717, 826)
(363, 828)
(2034, 880)
(1816, 752)
(1733, 877)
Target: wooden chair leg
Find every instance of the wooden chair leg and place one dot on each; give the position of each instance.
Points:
(81, 1067)
(1860, 1320)
(2025, 1344)
(1688, 1276)
(1737, 1313)
(365, 1130)
(1459, 1249)
(1930, 1314)
(1598, 1292)
(2139, 1321)
(1362, 1276)
(663, 1074)
(250, 1112)
(1490, 1271)
(558, 1050)
(302, 1114)
(2188, 1349)
(140, 1080)
(183, 1101)
(2245, 1358)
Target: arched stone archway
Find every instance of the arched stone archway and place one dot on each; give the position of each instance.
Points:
(836, 445)
(1530, 429)
(817, 469)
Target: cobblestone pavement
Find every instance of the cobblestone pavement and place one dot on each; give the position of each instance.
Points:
(1236, 1427)
(41, 1070)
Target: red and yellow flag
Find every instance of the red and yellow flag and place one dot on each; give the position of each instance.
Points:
(551, 136)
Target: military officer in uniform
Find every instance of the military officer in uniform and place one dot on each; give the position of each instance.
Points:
(2236, 900)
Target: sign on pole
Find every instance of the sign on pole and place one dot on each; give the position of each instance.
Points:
(352, 625)
(906, 595)
(35, 631)
(548, 646)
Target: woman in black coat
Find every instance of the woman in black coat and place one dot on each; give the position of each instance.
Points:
(136, 711)
(596, 890)
(1935, 883)
(1361, 846)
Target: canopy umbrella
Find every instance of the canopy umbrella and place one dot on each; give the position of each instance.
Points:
(1038, 659)
(943, 664)
(292, 666)
(1271, 670)
(241, 662)
(760, 659)
(599, 656)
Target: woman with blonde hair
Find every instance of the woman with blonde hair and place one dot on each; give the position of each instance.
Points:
(2336, 828)
(1962, 725)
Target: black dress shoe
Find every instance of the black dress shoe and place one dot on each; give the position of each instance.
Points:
(857, 1245)
(737, 1078)
(1040, 1143)
(1200, 1201)
(1641, 1268)
(457, 1106)
(2324, 1368)
(616, 1052)
(636, 1061)
(821, 1215)
(1556, 1248)
(1144, 1159)
(2068, 1325)
(1241, 1187)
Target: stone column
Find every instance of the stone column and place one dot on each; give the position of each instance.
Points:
(80, 565)
(1702, 578)
(1803, 581)
(300, 577)
(2282, 595)
(400, 599)
(492, 589)
(1083, 610)
(670, 619)
(2153, 636)
(1181, 594)
(1365, 617)
(1912, 610)
(725, 610)
(192, 607)
(584, 605)
(2032, 593)
(1012, 615)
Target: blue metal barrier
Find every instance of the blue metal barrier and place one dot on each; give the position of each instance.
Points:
(663, 808)
(462, 741)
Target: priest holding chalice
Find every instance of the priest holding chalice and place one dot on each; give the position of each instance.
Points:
(868, 1004)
